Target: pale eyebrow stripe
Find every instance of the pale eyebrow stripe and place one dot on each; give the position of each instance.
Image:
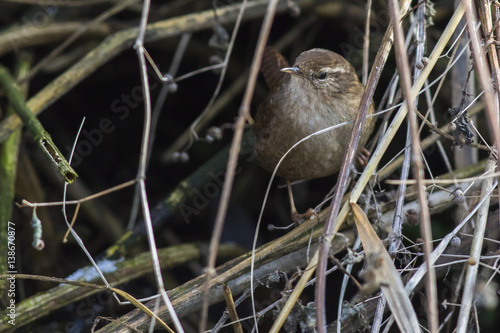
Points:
(334, 70)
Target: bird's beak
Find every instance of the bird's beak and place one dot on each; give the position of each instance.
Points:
(292, 70)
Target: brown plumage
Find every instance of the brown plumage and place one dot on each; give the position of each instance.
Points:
(320, 90)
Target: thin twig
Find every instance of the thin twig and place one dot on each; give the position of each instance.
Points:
(438, 250)
(222, 76)
(484, 74)
(243, 115)
(26, 203)
(179, 52)
(425, 218)
(387, 170)
(397, 224)
(332, 224)
(231, 307)
(143, 161)
(366, 41)
(475, 253)
(229, 177)
(463, 87)
(382, 147)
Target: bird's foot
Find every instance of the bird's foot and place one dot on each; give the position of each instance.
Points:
(362, 157)
(298, 218)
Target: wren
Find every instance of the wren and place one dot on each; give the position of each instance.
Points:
(320, 90)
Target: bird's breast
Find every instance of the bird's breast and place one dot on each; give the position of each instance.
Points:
(295, 119)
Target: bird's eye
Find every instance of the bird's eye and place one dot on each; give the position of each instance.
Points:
(322, 75)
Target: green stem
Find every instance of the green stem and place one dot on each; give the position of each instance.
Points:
(40, 135)
(8, 165)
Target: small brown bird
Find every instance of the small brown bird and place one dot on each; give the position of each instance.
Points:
(320, 90)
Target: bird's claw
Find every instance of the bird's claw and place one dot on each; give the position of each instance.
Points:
(298, 218)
